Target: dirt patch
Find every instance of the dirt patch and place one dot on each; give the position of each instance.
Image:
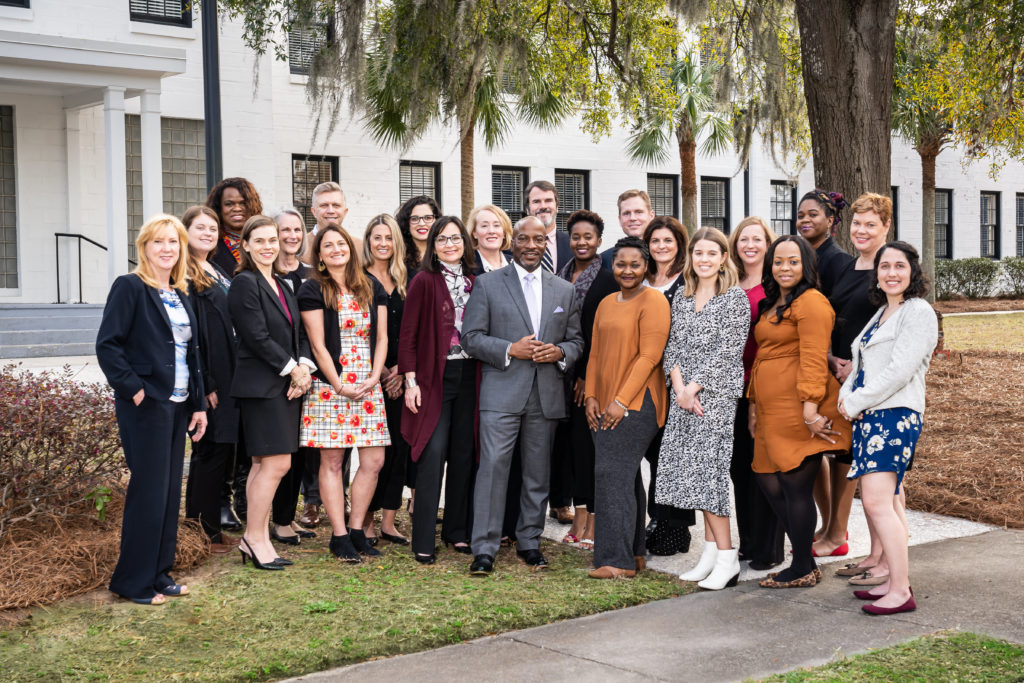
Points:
(968, 462)
(49, 560)
(979, 305)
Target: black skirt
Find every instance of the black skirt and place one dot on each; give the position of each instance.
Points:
(270, 425)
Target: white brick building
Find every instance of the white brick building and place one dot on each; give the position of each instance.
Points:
(101, 124)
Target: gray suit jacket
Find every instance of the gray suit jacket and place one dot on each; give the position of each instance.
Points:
(497, 316)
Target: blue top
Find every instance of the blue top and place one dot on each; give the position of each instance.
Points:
(182, 332)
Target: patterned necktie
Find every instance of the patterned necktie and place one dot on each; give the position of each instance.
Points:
(531, 301)
(546, 262)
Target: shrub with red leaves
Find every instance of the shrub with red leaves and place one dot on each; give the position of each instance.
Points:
(60, 453)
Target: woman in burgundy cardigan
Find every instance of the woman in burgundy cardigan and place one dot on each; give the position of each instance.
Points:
(441, 385)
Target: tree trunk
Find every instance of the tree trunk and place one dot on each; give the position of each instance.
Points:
(688, 179)
(848, 50)
(466, 166)
(928, 217)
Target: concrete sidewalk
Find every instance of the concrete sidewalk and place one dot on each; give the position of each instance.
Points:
(970, 584)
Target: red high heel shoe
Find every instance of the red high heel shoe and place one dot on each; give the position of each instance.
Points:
(844, 549)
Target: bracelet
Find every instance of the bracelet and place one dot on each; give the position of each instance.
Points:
(411, 383)
(625, 410)
(813, 421)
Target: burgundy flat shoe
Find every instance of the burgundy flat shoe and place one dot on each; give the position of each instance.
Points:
(908, 606)
(866, 595)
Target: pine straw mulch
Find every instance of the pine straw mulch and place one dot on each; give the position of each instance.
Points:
(979, 305)
(968, 462)
(49, 559)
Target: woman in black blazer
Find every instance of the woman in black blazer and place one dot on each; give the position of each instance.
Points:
(271, 375)
(212, 458)
(147, 348)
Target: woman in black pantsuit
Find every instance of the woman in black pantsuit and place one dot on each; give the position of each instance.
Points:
(148, 351)
(213, 456)
(271, 376)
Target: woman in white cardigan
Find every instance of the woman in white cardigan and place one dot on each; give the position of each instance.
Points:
(884, 396)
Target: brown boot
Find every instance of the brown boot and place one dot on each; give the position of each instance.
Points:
(609, 572)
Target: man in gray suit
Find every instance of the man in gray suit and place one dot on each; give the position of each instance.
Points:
(523, 324)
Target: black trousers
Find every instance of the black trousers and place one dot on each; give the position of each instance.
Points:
(208, 466)
(391, 479)
(153, 438)
(453, 443)
(583, 458)
(311, 476)
(561, 487)
(286, 498)
(761, 532)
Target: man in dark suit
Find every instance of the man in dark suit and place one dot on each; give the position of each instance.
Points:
(523, 323)
(635, 212)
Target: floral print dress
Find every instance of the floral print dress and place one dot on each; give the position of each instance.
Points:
(330, 420)
(883, 440)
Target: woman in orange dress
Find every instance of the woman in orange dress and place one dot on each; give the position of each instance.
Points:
(794, 416)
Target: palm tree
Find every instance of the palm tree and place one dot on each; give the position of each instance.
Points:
(695, 116)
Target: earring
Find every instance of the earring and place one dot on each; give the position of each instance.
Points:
(321, 267)
(721, 268)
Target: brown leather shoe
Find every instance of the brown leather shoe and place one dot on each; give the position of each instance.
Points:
(227, 540)
(563, 515)
(641, 562)
(609, 572)
(310, 515)
(222, 548)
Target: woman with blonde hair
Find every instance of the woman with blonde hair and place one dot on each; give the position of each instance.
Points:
(704, 359)
(490, 230)
(384, 263)
(761, 533)
(148, 349)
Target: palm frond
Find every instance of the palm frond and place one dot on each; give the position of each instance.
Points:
(491, 112)
(649, 143)
(717, 130)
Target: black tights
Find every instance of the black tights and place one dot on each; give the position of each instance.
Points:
(791, 495)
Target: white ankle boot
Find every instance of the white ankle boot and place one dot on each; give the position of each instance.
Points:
(726, 571)
(704, 565)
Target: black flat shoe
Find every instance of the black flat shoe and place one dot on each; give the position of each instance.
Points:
(361, 544)
(761, 565)
(304, 533)
(464, 549)
(425, 559)
(397, 540)
(372, 541)
(287, 540)
(341, 547)
(482, 565)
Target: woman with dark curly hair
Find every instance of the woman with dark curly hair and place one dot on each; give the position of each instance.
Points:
(415, 217)
(235, 200)
(793, 414)
(884, 395)
(818, 217)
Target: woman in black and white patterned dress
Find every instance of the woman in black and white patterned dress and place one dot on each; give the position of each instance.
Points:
(704, 362)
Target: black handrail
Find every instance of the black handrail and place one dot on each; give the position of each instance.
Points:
(79, 237)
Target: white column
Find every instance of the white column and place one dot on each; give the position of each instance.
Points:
(152, 170)
(117, 182)
(72, 118)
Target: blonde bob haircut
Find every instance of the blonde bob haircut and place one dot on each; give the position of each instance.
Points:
(503, 219)
(396, 267)
(153, 228)
(734, 238)
(870, 201)
(727, 275)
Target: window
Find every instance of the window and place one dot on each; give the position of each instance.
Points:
(944, 222)
(419, 177)
(182, 160)
(990, 225)
(714, 203)
(304, 45)
(8, 202)
(894, 193)
(15, 3)
(507, 183)
(664, 192)
(1020, 225)
(573, 194)
(783, 208)
(308, 172)
(178, 12)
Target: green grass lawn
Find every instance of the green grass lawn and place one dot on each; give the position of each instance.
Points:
(958, 657)
(248, 624)
(985, 332)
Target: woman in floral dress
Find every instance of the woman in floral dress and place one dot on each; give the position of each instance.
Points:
(345, 315)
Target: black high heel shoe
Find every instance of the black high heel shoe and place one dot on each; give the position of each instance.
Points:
(287, 540)
(342, 548)
(282, 562)
(361, 544)
(392, 538)
(251, 555)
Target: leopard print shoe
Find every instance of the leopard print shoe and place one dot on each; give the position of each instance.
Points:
(805, 581)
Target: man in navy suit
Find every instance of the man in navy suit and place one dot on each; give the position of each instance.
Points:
(634, 214)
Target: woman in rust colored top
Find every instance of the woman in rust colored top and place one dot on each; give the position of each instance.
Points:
(793, 399)
(625, 405)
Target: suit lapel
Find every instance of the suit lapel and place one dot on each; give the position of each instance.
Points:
(516, 290)
(269, 291)
(154, 294)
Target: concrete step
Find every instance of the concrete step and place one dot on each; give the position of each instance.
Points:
(42, 330)
(50, 322)
(72, 336)
(47, 350)
(31, 310)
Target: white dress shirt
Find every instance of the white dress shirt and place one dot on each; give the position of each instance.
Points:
(528, 291)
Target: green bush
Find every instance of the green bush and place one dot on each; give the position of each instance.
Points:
(1013, 275)
(973, 278)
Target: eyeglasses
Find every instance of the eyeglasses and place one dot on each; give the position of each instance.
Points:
(421, 219)
(441, 240)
